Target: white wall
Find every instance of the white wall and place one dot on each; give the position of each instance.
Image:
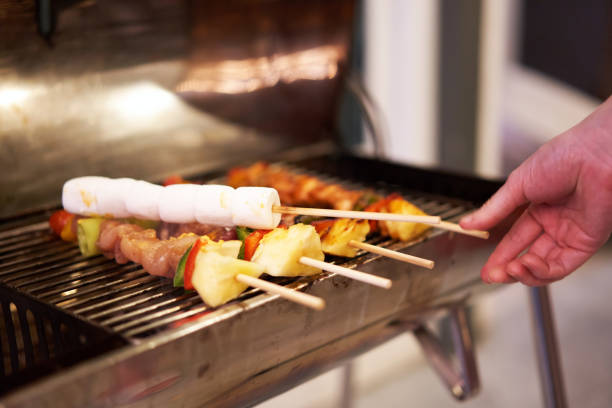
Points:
(401, 73)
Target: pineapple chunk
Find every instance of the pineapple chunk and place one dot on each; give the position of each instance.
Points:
(404, 231)
(214, 277)
(335, 240)
(280, 250)
(225, 248)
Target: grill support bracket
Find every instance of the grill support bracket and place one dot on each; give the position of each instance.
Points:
(460, 377)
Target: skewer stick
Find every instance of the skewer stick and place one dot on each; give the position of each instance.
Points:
(302, 298)
(433, 220)
(364, 215)
(349, 273)
(449, 226)
(415, 260)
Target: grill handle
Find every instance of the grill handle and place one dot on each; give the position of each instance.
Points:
(462, 381)
(372, 114)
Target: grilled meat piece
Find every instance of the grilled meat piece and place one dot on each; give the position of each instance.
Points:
(295, 189)
(129, 242)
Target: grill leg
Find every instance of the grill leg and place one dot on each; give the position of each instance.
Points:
(549, 364)
(461, 379)
(346, 398)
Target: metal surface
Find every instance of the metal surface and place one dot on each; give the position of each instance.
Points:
(183, 351)
(146, 88)
(549, 362)
(37, 339)
(372, 116)
(461, 381)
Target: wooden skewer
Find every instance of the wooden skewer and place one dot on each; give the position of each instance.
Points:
(449, 226)
(349, 273)
(432, 220)
(296, 296)
(364, 215)
(415, 260)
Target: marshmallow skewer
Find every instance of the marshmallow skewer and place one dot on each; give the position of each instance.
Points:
(178, 203)
(254, 207)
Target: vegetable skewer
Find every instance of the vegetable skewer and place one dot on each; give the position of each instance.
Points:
(344, 237)
(298, 251)
(295, 296)
(425, 263)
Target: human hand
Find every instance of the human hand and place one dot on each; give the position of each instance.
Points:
(567, 186)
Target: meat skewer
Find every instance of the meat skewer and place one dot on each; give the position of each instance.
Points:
(363, 215)
(129, 242)
(300, 189)
(124, 241)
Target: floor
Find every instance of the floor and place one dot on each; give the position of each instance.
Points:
(396, 374)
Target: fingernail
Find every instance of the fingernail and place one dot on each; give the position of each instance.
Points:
(466, 219)
(496, 274)
(486, 277)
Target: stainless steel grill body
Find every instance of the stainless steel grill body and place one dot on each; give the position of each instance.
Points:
(251, 348)
(148, 88)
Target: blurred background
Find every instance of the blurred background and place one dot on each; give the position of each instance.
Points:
(476, 86)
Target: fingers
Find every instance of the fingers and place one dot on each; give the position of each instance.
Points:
(508, 198)
(529, 270)
(496, 274)
(548, 261)
(522, 234)
(545, 261)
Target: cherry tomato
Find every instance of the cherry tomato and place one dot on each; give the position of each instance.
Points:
(61, 223)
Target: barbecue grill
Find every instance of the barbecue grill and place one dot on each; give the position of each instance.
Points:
(78, 331)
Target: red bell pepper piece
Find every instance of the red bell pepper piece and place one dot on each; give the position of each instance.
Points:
(322, 226)
(251, 242)
(190, 264)
(380, 206)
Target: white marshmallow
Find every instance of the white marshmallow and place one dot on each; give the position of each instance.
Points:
(180, 203)
(213, 205)
(80, 195)
(252, 207)
(97, 196)
(143, 200)
(176, 203)
(112, 197)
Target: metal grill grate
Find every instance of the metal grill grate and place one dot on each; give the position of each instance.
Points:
(58, 300)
